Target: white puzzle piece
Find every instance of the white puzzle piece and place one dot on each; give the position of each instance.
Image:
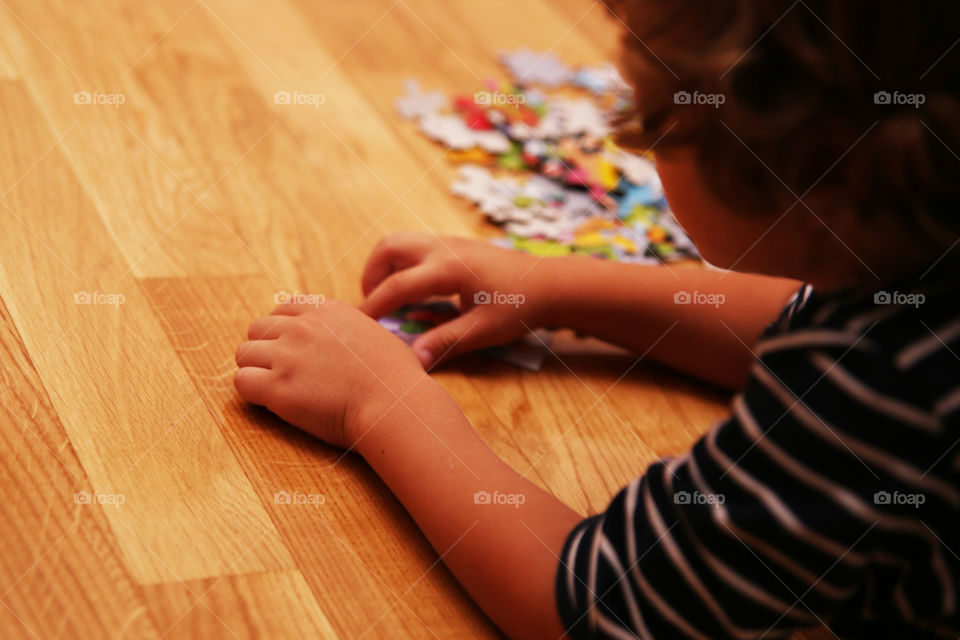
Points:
(418, 104)
(528, 67)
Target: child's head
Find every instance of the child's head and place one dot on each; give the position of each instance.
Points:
(851, 106)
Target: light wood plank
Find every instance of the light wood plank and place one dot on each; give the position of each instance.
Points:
(61, 571)
(153, 210)
(367, 162)
(125, 401)
(8, 69)
(201, 125)
(266, 605)
(310, 225)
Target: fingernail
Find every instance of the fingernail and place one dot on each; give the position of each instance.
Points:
(426, 358)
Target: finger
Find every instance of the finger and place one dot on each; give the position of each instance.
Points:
(408, 286)
(460, 335)
(254, 384)
(268, 328)
(293, 309)
(256, 353)
(394, 253)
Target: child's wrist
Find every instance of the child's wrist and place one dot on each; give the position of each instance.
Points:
(395, 421)
(554, 283)
(545, 286)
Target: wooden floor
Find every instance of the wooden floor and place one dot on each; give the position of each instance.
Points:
(139, 239)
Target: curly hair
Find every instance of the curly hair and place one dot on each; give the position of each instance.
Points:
(849, 104)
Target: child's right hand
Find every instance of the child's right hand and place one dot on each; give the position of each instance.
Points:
(500, 299)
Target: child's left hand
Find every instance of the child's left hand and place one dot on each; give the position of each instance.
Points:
(319, 367)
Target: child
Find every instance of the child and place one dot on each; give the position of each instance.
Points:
(816, 142)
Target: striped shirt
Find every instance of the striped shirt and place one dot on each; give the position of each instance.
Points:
(829, 496)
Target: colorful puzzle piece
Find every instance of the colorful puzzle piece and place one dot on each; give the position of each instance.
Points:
(411, 321)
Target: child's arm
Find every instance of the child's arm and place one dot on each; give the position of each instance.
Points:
(701, 322)
(694, 320)
(499, 534)
(337, 374)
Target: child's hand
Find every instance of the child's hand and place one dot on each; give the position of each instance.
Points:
(320, 366)
(499, 299)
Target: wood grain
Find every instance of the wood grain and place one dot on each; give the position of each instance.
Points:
(169, 233)
(116, 384)
(59, 555)
(265, 605)
(145, 500)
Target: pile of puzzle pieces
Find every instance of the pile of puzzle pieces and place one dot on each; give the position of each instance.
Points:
(544, 165)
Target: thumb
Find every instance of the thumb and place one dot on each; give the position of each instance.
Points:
(463, 333)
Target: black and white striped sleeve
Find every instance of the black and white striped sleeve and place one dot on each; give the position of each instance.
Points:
(776, 519)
